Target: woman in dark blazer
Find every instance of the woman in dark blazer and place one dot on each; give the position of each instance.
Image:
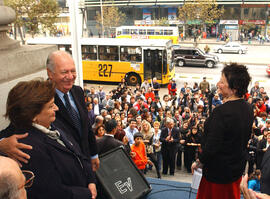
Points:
(60, 168)
(225, 138)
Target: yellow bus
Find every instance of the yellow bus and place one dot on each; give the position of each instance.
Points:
(148, 32)
(111, 60)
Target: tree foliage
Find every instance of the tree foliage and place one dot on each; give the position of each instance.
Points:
(162, 22)
(35, 15)
(206, 11)
(112, 17)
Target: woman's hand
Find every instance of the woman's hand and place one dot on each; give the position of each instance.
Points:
(261, 195)
(247, 193)
(194, 166)
(182, 141)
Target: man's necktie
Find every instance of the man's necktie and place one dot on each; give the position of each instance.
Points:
(73, 114)
(170, 133)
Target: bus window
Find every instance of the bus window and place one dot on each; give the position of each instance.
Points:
(142, 32)
(166, 32)
(66, 48)
(170, 32)
(150, 32)
(126, 31)
(134, 31)
(133, 54)
(108, 53)
(159, 32)
(62, 47)
(119, 33)
(89, 52)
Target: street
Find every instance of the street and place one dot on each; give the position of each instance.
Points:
(195, 74)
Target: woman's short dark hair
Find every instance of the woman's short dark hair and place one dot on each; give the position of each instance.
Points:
(238, 78)
(26, 100)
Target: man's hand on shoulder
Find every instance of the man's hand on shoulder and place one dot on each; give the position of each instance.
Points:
(12, 148)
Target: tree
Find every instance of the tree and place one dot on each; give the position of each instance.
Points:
(210, 12)
(207, 11)
(112, 17)
(162, 22)
(35, 15)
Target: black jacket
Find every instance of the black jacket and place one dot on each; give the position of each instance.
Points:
(106, 143)
(87, 140)
(260, 153)
(60, 172)
(224, 141)
(169, 145)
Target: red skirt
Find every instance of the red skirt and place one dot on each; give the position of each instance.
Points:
(209, 190)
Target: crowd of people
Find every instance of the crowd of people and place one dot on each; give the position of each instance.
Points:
(58, 130)
(175, 121)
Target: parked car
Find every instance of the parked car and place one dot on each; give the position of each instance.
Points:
(268, 70)
(194, 56)
(176, 46)
(231, 47)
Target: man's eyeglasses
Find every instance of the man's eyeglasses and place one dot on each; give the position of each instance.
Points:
(29, 178)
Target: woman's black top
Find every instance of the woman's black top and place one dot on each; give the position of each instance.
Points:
(224, 141)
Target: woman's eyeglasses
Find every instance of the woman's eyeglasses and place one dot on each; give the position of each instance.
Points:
(29, 178)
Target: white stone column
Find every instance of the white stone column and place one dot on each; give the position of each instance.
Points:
(7, 16)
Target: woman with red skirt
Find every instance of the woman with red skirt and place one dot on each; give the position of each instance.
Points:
(227, 130)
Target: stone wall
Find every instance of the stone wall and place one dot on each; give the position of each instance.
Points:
(22, 64)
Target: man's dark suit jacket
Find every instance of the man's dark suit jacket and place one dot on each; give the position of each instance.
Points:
(87, 140)
(60, 172)
(174, 134)
(260, 153)
(106, 143)
(265, 173)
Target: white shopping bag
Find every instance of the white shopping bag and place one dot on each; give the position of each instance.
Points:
(196, 178)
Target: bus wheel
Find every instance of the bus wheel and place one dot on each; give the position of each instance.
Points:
(133, 79)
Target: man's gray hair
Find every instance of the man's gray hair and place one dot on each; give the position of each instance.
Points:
(9, 188)
(169, 120)
(103, 111)
(50, 62)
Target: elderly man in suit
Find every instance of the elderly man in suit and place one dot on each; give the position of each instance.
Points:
(72, 112)
(70, 100)
(170, 139)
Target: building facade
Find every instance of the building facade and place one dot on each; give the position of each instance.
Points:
(239, 16)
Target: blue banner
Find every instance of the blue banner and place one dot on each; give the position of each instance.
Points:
(172, 14)
(146, 14)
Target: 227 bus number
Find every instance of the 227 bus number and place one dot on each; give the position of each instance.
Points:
(103, 69)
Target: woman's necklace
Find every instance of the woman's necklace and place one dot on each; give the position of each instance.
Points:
(231, 98)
